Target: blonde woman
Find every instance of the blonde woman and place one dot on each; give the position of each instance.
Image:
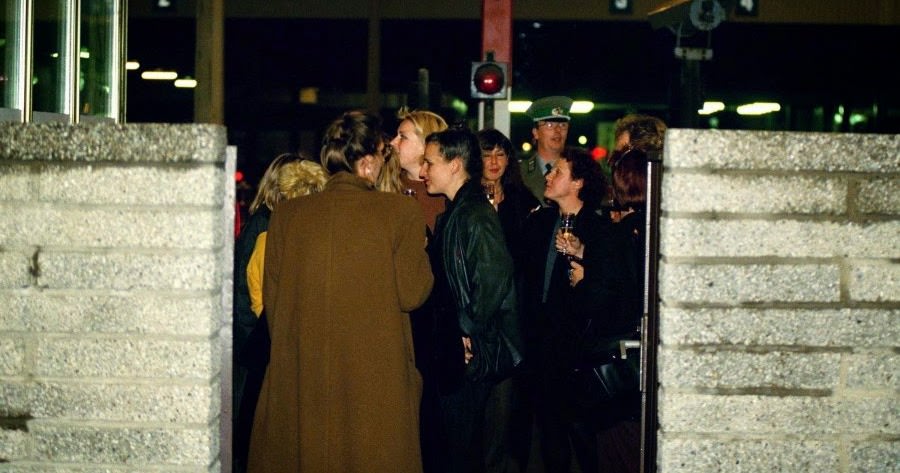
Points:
(280, 181)
(296, 179)
(402, 172)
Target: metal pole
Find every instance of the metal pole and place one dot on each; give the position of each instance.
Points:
(26, 61)
(422, 87)
(119, 56)
(650, 321)
(71, 98)
(488, 114)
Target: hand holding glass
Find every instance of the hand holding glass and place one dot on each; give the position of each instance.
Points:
(566, 227)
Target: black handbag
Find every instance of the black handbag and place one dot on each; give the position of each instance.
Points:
(606, 373)
(495, 358)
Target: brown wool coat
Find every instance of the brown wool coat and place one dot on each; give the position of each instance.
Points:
(341, 393)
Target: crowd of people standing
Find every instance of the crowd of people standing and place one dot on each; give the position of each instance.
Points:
(419, 300)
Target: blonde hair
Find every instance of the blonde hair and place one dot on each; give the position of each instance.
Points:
(301, 178)
(389, 180)
(424, 123)
(267, 192)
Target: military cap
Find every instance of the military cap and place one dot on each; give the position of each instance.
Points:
(554, 108)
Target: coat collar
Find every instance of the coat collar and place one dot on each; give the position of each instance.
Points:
(345, 181)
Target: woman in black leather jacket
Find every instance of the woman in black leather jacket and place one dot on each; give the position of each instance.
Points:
(478, 335)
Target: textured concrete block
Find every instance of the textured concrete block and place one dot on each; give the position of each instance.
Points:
(879, 195)
(755, 415)
(86, 142)
(13, 446)
(24, 467)
(150, 185)
(126, 357)
(14, 268)
(15, 400)
(683, 237)
(874, 370)
(12, 355)
(852, 328)
(743, 194)
(146, 313)
(736, 284)
(180, 402)
(115, 228)
(738, 370)
(61, 442)
(16, 183)
(130, 271)
(677, 455)
(781, 151)
(876, 282)
(870, 457)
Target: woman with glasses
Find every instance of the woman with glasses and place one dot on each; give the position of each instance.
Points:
(343, 268)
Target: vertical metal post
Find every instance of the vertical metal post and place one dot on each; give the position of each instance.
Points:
(26, 60)
(496, 37)
(119, 56)
(650, 320)
(209, 95)
(423, 86)
(71, 98)
(488, 113)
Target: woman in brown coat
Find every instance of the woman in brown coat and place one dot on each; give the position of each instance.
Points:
(343, 269)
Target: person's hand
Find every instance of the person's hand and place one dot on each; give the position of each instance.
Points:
(576, 273)
(569, 246)
(467, 346)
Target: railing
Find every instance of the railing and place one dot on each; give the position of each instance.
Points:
(63, 60)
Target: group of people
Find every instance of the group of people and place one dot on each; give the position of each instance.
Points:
(412, 304)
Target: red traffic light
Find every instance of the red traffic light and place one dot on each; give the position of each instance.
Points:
(488, 80)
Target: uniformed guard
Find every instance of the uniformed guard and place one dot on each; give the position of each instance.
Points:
(550, 116)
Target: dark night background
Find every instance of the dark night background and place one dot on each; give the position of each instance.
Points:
(812, 70)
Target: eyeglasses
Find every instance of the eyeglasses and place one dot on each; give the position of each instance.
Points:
(553, 125)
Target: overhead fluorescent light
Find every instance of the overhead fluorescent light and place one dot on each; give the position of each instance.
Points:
(186, 83)
(159, 75)
(758, 108)
(518, 106)
(711, 107)
(581, 106)
(132, 65)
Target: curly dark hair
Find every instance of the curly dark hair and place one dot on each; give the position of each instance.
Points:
(645, 132)
(583, 166)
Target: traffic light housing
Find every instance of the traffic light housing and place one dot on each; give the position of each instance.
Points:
(488, 80)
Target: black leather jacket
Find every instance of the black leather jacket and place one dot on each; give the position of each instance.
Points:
(478, 267)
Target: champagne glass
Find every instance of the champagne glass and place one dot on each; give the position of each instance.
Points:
(489, 191)
(566, 227)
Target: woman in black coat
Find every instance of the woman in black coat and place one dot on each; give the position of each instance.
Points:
(575, 185)
(609, 286)
(510, 411)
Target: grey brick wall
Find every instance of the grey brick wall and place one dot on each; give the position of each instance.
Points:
(780, 303)
(115, 278)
